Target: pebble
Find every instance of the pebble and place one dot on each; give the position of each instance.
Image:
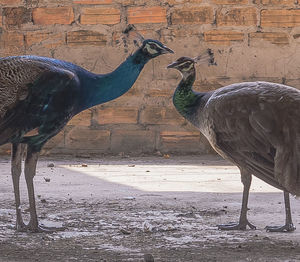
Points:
(148, 258)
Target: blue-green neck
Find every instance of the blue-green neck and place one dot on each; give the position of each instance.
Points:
(185, 99)
(98, 89)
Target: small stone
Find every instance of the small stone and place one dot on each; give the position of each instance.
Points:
(50, 165)
(158, 153)
(131, 165)
(125, 232)
(129, 198)
(43, 200)
(166, 156)
(47, 179)
(84, 165)
(147, 227)
(148, 258)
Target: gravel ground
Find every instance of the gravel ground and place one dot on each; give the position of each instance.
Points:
(136, 209)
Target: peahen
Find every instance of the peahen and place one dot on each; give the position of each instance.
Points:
(39, 95)
(255, 125)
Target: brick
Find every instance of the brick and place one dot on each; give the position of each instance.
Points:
(11, 2)
(86, 138)
(277, 38)
(118, 115)
(237, 17)
(147, 15)
(278, 2)
(204, 85)
(161, 116)
(196, 15)
(174, 2)
(230, 2)
(16, 16)
(82, 119)
(157, 92)
(12, 43)
(133, 141)
(222, 37)
(179, 141)
(280, 18)
(170, 35)
(53, 15)
(93, 2)
(99, 15)
(86, 37)
(46, 39)
(125, 2)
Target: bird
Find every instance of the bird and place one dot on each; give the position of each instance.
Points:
(39, 95)
(255, 125)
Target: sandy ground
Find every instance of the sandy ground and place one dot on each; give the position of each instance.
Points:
(119, 209)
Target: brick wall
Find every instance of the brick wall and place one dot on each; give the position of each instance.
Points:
(252, 40)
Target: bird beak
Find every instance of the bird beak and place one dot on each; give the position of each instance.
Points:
(167, 50)
(172, 65)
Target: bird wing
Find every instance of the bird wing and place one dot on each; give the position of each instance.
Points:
(22, 79)
(256, 125)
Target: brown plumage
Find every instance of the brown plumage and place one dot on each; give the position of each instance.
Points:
(255, 125)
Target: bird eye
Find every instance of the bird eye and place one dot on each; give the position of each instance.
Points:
(152, 46)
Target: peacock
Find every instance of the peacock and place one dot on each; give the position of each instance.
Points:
(255, 125)
(39, 95)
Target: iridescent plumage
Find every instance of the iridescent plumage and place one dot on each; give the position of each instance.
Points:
(39, 95)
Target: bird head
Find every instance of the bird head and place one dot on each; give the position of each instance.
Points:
(183, 64)
(154, 48)
(150, 48)
(186, 65)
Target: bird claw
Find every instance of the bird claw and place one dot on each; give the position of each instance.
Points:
(236, 226)
(43, 229)
(286, 228)
(21, 227)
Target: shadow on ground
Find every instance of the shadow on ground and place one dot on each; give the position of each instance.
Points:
(118, 209)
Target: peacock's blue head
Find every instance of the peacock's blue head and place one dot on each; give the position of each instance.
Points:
(153, 48)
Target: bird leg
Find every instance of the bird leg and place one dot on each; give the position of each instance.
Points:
(30, 170)
(243, 222)
(16, 170)
(289, 226)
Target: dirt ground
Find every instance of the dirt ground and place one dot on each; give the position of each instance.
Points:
(119, 209)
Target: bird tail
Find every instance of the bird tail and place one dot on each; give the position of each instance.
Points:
(207, 57)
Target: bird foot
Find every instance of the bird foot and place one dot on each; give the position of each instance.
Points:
(43, 229)
(21, 227)
(236, 226)
(286, 228)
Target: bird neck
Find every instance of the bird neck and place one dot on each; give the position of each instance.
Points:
(185, 99)
(99, 89)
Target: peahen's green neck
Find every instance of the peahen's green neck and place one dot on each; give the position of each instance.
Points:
(185, 99)
(98, 89)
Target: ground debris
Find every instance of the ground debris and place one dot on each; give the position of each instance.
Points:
(148, 258)
(125, 231)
